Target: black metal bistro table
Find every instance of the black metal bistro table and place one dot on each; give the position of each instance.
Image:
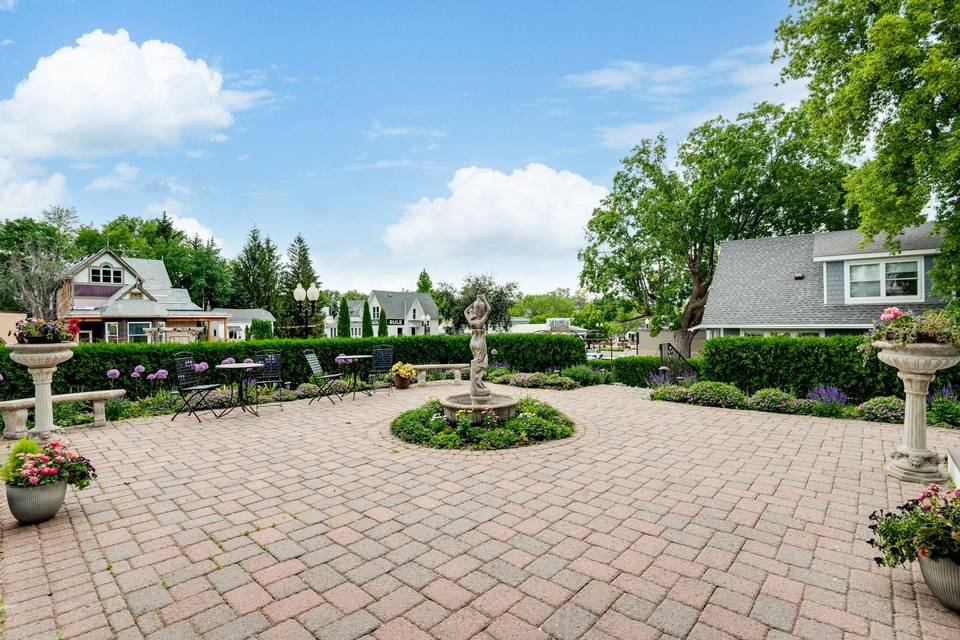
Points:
(354, 362)
(239, 374)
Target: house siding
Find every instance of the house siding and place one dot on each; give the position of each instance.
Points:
(833, 283)
(928, 293)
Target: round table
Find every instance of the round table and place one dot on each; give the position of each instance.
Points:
(238, 373)
(354, 361)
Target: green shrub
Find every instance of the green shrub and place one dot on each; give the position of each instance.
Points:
(800, 364)
(773, 401)
(66, 414)
(261, 329)
(827, 409)
(529, 380)
(671, 393)
(119, 409)
(716, 394)
(86, 370)
(22, 446)
(535, 422)
(944, 410)
(500, 376)
(585, 375)
(633, 371)
(882, 409)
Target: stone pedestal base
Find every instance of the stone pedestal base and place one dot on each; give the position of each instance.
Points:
(914, 465)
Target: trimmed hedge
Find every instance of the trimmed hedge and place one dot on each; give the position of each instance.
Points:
(634, 370)
(86, 370)
(801, 364)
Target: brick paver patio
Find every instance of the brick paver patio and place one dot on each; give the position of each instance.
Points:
(656, 520)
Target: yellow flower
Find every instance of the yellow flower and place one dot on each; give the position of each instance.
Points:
(402, 370)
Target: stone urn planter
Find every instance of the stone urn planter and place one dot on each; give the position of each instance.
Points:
(916, 365)
(41, 360)
(943, 579)
(30, 505)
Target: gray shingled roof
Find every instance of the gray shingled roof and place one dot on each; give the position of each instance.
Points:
(355, 307)
(755, 286)
(244, 316)
(395, 303)
(134, 309)
(845, 243)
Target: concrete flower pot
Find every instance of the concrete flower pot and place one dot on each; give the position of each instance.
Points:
(41, 360)
(916, 365)
(30, 505)
(401, 383)
(943, 579)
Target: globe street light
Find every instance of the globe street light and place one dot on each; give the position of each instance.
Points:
(304, 311)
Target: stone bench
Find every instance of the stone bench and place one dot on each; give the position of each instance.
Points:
(15, 411)
(422, 369)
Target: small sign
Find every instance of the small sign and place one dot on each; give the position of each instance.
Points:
(395, 322)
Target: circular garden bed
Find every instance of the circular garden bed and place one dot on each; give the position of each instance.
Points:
(536, 422)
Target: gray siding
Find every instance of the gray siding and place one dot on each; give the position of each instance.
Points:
(834, 283)
(927, 280)
(731, 332)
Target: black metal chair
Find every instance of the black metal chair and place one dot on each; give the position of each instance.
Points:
(270, 374)
(319, 377)
(380, 365)
(193, 394)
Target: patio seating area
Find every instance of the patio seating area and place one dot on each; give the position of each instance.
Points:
(655, 520)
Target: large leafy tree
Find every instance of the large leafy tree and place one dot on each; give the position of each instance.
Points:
(501, 297)
(205, 274)
(884, 81)
(556, 304)
(654, 239)
(424, 283)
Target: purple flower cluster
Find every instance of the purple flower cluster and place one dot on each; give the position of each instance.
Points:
(229, 361)
(946, 392)
(113, 374)
(343, 359)
(200, 367)
(827, 394)
(659, 379)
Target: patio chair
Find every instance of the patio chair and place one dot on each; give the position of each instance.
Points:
(319, 377)
(270, 374)
(193, 394)
(380, 365)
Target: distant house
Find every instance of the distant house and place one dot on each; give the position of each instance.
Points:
(119, 299)
(552, 325)
(818, 284)
(409, 313)
(238, 326)
(8, 324)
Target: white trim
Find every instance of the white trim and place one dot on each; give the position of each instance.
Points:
(880, 254)
(766, 333)
(824, 281)
(106, 331)
(784, 326)
(883, 298)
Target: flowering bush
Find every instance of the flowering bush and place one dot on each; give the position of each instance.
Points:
(826, 394)
(54, 462)
(403, 370)
(671, 393)
(882, 409)
(926, 527)
(902, 329)
(38, 330)
(716, 394)
(773, 401)
(659, 379)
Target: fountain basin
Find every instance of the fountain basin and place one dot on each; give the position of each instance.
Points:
(502, 406)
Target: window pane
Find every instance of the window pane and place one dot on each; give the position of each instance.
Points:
(864, 289)
(94, 275)
(136, 331)
(117, 277)
(901, 278)
(861, 272)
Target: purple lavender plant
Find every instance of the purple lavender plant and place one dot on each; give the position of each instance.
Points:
(659, 379)
(946, 392)
(827, 394)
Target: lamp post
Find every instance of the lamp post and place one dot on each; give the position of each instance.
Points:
(305, 311)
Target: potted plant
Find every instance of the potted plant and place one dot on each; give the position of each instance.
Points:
(402, 374)
(918, 346)
(926, 529)
(42, 345)
(36, 478)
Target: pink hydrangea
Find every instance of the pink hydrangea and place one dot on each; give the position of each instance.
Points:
(891, 313)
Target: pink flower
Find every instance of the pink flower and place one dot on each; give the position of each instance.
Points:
(891, 313)
(34, 480)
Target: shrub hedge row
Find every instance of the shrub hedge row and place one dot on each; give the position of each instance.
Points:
(634, 370)
(801, 364)
(86, 370)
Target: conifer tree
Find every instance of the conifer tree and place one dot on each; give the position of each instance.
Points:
(343, 319)
(367, 324)
(382, 325)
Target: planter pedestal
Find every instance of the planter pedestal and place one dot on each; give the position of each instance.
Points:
(41, 361)
(911, 460)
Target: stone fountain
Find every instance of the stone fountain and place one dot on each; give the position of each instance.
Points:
(479, 400)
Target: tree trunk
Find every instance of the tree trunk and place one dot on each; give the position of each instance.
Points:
(692, 316)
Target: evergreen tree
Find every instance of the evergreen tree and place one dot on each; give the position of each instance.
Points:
(382, 325)
(299, 271)
(424, 283)
(367, 325)
(343, 320)
(256, 274)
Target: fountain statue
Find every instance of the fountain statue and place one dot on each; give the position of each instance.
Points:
(479, 400)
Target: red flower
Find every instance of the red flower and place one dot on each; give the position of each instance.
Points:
(924, 553)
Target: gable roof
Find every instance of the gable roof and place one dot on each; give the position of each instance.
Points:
(922, 238)
(75, 268)
(397, 303)
(755, 285)
(244, 316)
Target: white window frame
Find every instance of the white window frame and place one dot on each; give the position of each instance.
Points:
(138, 322)
(793, 333)
(883, 298)
(85, 335)
(115, 333)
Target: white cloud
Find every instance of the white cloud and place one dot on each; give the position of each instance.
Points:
(25, 189)
(189, 225)
(108, 95)
(377, 130)
(121, 176)
(7, 42)
(526, 226)
(735, 81)
(379, 165)
(8, 5)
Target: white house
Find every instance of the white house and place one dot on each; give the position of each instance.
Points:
(408, 313)
(238, 324)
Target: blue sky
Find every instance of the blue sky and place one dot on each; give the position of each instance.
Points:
(395, 136)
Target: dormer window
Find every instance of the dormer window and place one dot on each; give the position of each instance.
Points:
(414, 311)
(882, 281)
(106, 274)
